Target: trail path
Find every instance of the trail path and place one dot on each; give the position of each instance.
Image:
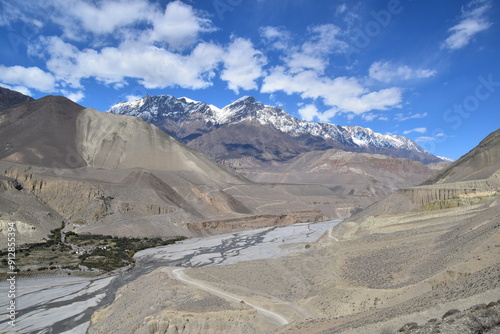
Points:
(273, 316)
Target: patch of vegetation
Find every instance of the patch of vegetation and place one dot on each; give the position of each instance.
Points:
(110, 253)
(70, 251)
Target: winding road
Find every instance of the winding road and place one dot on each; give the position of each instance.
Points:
(179, 275)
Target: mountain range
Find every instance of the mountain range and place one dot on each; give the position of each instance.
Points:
(114, 174)
(112, 171)
(247, 132)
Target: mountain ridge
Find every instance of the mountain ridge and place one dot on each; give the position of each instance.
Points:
(189, 120)
(10, 97)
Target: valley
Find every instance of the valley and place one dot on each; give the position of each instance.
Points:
(66, 304)
(362, 237)
(249, 167)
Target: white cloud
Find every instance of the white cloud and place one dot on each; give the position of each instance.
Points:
(368, 117)
(179, 26)
(388, 72)
(154, 67)
(343, 94)
(131, 98)
(103, 17)
(424, 139)
(308, 112)
(277, 37)
(298, 62)
(324, 40)
(418, 130)
(340, 9)
(303, 72)
(242, 65)
(30, 77)
(315, 53)
(473, 20)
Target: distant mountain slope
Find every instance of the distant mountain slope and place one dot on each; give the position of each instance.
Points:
(482, 162)
(359, 174)
(41, 132)
(10, 97)
(264, 133)
(472, 179)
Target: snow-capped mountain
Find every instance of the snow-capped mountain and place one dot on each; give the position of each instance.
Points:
(248, 128)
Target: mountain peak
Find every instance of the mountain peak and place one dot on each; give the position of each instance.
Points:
(189, 120)
(246, 99)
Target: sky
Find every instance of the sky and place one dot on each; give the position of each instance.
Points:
(425, 69)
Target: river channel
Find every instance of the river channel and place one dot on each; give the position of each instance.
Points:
(61, 304)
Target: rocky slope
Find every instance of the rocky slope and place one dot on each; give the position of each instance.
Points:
(263, 133)
(480, 318)
(359, 174)
(10, 97)
(472, 179)
(402, 263)
(480, 163)
(112, 174)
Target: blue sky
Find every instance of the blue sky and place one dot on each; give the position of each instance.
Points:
(427, 69)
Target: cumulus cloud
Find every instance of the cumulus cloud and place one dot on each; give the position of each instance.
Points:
(158, 46)
(308, 112)
(103, 17)
(30, 77)
(179, 26)
(242, 65)
(303, 72)
(154, 67)
(344, 94)
(388, 72)
(472, 21)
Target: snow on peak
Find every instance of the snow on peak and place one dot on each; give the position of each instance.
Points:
(245, 98)
(246, 108)
(446, 159)
(188, 100)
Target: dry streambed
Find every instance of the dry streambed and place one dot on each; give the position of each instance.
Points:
(63, 304)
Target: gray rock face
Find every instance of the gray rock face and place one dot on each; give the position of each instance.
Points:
(10, 97)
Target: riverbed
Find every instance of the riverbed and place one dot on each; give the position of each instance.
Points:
(61, 304)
